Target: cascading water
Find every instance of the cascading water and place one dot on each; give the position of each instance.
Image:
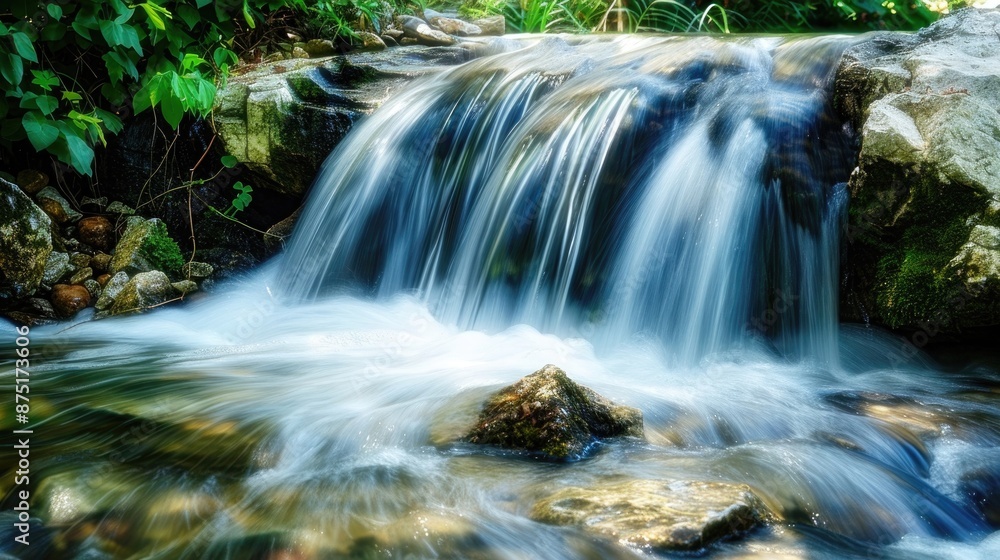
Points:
(670, 187)
(658, 216)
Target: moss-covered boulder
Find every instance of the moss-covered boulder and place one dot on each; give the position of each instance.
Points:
(142, 291)
(657, 515)
(547, 414)
(145, 245)
(282, 119)
(27, 242)
(925, 198)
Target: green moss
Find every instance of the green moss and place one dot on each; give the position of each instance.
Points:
(161, 251)
(911, 284)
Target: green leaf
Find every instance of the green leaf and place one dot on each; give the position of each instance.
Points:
(47, 104)
(3, 30)
(45, 79)
(71, 96)
(54, 31)
(24, 47)
(115, 96)
(248, 16)
(229, 161)
(156, 14)
(41, 133)
(202, 3)
(54, 10)
(81, 30)
(110, 120)
(81, 155)
(11, 68)
(172, 110)
(189, 15)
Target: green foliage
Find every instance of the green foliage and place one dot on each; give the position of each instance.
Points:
(69, 69)
(241, 201)
(161, 251)
(723, 16)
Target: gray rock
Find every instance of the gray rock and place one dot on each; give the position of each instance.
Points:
(79, 260)
(82, 275)
(418, 29)
(282, 125)
(547, 414)
(370, 41)
(924, 195)
(185, 286)
(141, 292)
(195, 269)
(453, 26)
(657, 515)
(133, 252)
(56, 267)
(117, 207)
(492, 25)
(111, 291)
(56, 206)
(319, 47)
(27, 242)
(94, 287)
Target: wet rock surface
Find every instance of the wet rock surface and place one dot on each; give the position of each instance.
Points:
(657, 515)
(27, 242)
(925, 198)
(548, 414)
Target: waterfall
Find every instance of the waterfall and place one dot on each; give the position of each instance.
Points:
(686, 190)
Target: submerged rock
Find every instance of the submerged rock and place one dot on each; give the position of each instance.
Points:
(27, 242)
(657, 515)
(926, 193)
(548, 414)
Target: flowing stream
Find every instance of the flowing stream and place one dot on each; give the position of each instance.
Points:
(660, 217)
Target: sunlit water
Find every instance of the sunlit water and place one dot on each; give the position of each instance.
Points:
(658, 217)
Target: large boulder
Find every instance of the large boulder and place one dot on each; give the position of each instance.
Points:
(546, 413)
(657, 515)
(923, 253)
(26, 231)
(282, 119)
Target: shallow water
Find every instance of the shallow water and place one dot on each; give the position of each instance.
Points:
(658, 217)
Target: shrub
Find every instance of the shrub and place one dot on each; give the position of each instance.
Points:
(71, 69)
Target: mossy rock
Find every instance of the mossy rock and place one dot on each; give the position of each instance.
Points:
(146, 245)
(928, 180)
(657, 515)
(27, 242)
(549, 415)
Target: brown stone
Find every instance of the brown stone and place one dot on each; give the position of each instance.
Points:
(32, 181)
(54, 210)
(100, 262)
(68, 299)
(103, 279)
(95, 231)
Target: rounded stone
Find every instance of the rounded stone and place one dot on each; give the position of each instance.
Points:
(68, 299)
(95, 231)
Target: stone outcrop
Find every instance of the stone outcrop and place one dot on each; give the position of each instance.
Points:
(27, 242)
(923, 244)
(282, 119)
(547, 414)
(657, 515)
